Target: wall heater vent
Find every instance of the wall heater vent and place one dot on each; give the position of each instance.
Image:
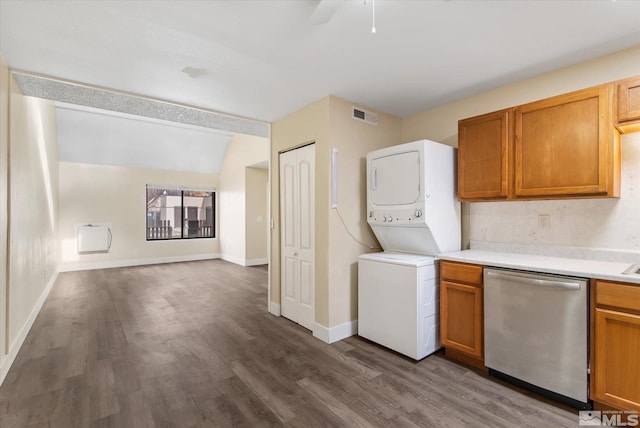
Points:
(94, 238)
(364, 116)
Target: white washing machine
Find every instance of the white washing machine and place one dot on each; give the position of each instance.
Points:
(413, 211)
(398, 302)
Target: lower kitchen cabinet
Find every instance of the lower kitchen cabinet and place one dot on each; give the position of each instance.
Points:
(461, 308)
(616, 342)
(615, 332)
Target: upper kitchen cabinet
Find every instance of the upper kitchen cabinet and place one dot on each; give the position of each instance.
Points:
(628, 108)
(567, 146)
(558, 148)
(483, 156)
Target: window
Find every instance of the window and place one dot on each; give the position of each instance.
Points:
(180, 213)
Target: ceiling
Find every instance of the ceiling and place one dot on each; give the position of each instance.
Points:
(264, 59)
(237, 65)
(96, 136)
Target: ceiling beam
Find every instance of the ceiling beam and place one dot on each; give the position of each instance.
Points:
(91, 96)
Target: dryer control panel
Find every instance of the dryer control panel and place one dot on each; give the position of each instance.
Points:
(395, 216)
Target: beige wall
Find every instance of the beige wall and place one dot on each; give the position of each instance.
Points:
(353, 140)
(328, 123)
(587, 222)
(309, 124)
(117, 195)
(441, 124)
(242, 152)
(256, 224)
(33, 206)
(4, 177)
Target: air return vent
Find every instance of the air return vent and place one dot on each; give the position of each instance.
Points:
(364, 116)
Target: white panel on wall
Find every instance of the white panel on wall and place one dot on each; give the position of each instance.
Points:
(93, 238)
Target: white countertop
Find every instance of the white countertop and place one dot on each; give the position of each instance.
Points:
(547, 264)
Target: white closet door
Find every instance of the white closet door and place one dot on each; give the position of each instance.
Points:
(297, 235)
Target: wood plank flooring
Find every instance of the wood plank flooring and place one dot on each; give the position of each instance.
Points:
(192, 345)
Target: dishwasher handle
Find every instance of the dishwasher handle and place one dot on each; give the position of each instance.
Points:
(527, 280)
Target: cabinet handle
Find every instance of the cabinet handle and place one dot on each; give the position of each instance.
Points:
(535, 281)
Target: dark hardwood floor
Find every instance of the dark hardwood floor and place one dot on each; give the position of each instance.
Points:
(192, 345)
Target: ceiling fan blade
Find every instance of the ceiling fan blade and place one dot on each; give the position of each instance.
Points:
(324, 11)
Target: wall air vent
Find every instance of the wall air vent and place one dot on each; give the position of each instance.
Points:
(364, 116)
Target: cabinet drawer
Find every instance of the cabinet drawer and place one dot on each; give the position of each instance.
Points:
(461, 272)
(618, 295)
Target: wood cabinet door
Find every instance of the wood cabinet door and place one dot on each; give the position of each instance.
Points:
(567, 146)
(461, 318)
(616, 370)
(629, 99)
(483, 156)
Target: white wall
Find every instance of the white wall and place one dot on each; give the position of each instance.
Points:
(243, 151)
(4, 209)
(33, 210)
(601, 223)
(256, 223)
(98, 194)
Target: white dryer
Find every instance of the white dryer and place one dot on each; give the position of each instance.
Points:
(413, 210)
(412, 205)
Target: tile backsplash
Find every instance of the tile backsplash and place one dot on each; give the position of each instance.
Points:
(593, 223)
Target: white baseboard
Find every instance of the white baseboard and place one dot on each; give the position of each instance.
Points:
(232, 259)
(244, 262)
(334, 334)
(17, 343)
(136, 262)
(274, 308)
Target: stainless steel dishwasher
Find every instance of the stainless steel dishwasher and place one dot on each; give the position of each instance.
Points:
(535, 332)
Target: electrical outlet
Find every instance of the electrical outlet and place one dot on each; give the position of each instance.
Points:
(544, 221)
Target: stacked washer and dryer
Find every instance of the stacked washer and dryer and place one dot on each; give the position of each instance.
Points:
(414, 212)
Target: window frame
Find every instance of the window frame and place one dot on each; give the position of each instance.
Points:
(182, 190)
